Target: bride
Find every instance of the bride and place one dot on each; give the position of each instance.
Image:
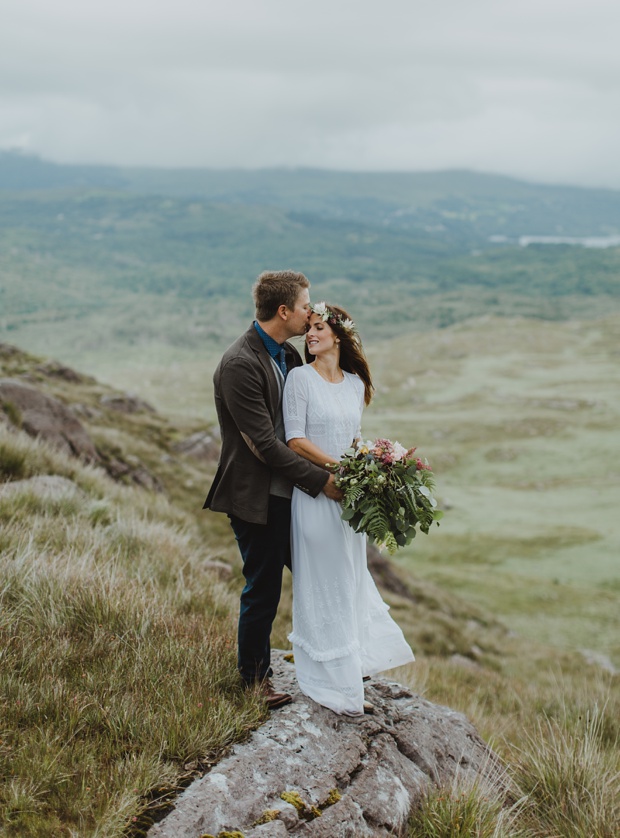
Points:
(342, 631)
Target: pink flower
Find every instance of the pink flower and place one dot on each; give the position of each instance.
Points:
(383, 447)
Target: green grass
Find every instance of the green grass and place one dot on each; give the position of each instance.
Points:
(118, 674)
(558, 734)
(464, 811)
(118, 679)
(519, 420)
(569, 772)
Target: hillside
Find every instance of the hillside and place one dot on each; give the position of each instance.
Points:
(94, 271)
(455, 203)
(115, 688)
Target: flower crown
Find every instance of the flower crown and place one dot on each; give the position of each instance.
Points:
(329, 316)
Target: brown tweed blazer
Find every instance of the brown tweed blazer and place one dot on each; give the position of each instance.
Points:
(246, 398)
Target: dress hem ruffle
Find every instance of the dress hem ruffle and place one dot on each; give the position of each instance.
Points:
(320, 657)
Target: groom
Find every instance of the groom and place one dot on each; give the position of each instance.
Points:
(257, 471)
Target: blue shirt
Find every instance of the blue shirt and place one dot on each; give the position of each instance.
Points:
(275, 349)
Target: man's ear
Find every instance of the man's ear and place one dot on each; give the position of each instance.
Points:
(283, 312)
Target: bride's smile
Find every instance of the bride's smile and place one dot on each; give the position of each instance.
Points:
(320, 337)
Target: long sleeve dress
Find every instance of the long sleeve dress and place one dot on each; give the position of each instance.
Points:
(342, 630)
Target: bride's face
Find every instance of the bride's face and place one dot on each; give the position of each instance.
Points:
(320, 337)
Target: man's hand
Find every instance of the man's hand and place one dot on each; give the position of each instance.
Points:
(331, 490)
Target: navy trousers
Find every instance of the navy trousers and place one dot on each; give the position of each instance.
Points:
(265, 550)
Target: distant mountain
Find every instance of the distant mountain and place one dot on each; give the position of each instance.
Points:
(22, 172)
(441, 205)
(98, 257)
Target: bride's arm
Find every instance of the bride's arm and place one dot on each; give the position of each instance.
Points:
(310, 451)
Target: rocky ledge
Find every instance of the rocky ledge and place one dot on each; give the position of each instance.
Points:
(308, 771)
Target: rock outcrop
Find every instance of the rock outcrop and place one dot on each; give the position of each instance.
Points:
(128, 468)
(127, 403)
(53, 369)
(46, 417)
(308, 771)
(41, 415)
(202, 446)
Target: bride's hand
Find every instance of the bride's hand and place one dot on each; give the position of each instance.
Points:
(331, 490)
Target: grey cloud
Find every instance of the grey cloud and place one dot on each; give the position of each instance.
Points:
(529, 89)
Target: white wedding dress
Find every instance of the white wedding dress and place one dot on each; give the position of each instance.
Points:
(341, 627)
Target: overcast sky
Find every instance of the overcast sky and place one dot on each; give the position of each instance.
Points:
(529, 88)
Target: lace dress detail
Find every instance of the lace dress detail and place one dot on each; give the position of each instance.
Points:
(341, 627)
(327, 414)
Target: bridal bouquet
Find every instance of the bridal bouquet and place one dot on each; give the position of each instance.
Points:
(387, 492)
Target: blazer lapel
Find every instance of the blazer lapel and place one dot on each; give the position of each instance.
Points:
(264, 359)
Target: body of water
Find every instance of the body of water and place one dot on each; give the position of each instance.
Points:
(585, 241)
(581, 241)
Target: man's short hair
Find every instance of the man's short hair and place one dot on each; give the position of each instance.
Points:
(273, 289)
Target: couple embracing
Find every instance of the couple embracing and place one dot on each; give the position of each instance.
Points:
(283, 423)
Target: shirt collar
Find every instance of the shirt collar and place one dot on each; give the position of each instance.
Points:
(272, 346)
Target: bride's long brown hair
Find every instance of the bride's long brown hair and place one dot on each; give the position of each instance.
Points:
(352, 358)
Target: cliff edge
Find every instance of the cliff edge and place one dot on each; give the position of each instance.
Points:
(310, 772)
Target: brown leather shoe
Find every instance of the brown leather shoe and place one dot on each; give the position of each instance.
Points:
(272, 698)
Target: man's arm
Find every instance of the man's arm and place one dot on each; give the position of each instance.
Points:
(331, 490)
(309, 451)
(242, 392)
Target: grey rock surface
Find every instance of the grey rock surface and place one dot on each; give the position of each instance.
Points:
(350, 778)
(53, 369)
(128, 468)
(46, 417)
(202, 445)
(127, 403)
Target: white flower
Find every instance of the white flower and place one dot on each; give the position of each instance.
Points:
(348, 325)
(399, 451)
(321, 310)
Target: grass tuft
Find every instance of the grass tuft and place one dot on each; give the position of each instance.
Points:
(464, 810)
(12, 412)
(570, 772)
